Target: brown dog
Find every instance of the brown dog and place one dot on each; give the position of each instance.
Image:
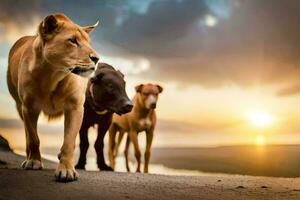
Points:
(141, 118)
(43, 77)
(105, 95)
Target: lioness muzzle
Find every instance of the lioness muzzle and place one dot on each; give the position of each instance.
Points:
(79, 70)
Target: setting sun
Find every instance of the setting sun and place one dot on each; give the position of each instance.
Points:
(260, 119)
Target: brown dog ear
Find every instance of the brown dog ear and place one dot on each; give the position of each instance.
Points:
(88, 29)
(48, 26)
(139, 87)
(159, 88)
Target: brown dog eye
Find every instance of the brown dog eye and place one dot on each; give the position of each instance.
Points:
(73, 41)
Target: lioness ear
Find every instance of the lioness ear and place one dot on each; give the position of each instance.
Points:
(160, 89)
(88, 29)
(48, 26)
(139, 87)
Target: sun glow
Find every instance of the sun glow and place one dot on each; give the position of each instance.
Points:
(260, 119)
(260, 140)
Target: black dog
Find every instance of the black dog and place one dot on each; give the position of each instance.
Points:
(105, 95)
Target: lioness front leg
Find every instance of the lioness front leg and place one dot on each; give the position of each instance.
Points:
(73, 119)
(30, 116)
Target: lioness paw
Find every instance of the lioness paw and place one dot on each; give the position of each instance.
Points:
(32, 164)
(64, 174)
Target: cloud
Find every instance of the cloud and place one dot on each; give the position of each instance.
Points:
(155, 32)
(17, 18)
(128, 66)
(288, 91)
(249, 42)
(255, 42)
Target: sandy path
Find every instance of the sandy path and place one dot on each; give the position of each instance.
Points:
(21, 184)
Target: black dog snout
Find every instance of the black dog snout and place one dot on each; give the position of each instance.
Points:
(127, 107)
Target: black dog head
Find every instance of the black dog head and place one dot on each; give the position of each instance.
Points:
(108, 90)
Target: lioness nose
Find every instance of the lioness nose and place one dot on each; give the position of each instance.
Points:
(94, 58)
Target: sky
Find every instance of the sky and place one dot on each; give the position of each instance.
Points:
(230, 68)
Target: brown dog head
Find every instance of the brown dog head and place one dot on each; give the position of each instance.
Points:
(148, 94)
(65, 45)
(108, 88)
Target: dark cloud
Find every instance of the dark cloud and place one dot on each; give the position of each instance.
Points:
(19, 11)
(258, 43)
(255, 41)
(156, 32)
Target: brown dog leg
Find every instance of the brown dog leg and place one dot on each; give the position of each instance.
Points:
(99, 145)
(112, 142)
(126, 153)
(120, 137)
(137, 152)
(149, 138)
(33, 155)
(84, 145)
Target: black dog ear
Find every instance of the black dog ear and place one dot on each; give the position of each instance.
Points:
(96, 77)
(121, 73)
(101, 66)
(139, 87)
(93, 79)
(159, 88)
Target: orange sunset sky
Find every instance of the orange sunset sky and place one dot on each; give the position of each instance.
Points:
(230, 69)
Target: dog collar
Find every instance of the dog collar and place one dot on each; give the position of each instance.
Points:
(103, 112)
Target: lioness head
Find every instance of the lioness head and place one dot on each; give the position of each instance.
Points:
(66, 46)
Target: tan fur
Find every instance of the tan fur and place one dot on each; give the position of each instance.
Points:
(39, 79)
(141, 118)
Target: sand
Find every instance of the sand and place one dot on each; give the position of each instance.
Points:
(16, 183)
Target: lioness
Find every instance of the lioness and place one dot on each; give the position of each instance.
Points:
(41, 77)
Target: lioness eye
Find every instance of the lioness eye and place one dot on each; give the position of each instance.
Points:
(73, 41)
